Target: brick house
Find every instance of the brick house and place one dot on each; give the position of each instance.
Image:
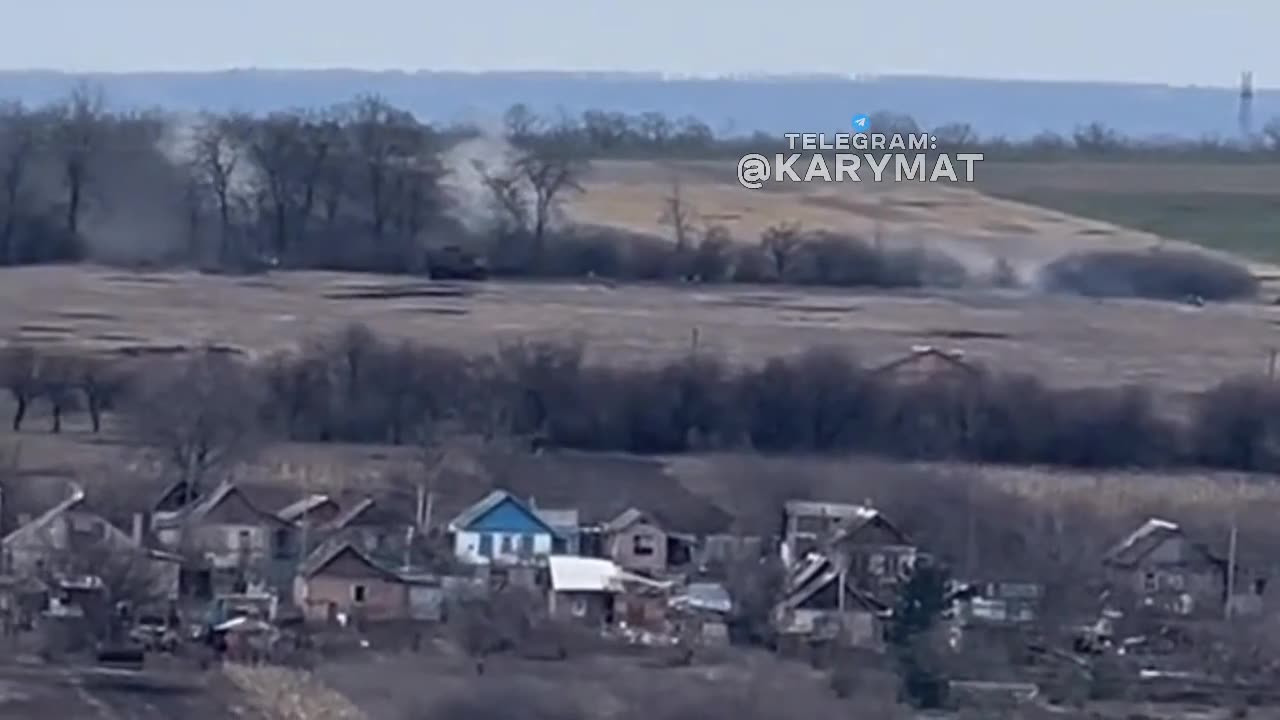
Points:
(339, 577)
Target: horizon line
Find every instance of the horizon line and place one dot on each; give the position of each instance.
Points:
(663, 75)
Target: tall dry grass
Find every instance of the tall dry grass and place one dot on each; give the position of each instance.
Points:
(284, 694)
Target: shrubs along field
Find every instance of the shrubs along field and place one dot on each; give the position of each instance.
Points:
(356, 387)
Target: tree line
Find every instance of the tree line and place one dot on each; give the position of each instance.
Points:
(356, 387)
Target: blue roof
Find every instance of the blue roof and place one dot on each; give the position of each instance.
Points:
(501, 511)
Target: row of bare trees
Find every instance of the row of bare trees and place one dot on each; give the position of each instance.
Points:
(361, 185)
(357, 387)
(652, 134)
(65, 382)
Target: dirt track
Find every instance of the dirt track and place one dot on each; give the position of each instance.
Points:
(34, 691)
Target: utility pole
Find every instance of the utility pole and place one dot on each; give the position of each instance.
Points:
(1271, 363)
(1246, 106)
(1232, 550)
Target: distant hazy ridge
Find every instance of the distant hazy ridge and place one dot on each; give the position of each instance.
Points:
(1011, 108)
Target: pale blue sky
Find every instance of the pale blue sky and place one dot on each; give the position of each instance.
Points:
(1166, 41)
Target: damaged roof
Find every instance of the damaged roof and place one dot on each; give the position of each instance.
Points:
(818, 572)
(296, 510)
(1142, 541)
(842, 511)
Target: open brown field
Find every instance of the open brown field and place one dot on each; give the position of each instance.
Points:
(1026, 213)
(1064, 339)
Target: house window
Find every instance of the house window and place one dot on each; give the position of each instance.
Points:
(578, 607)
(1149, 582)
(876, 564)
(1260, 586)
(244, 540)
(1174, 581)
(358, 594)
(486, 545)
(642, 546)
(526, 546)
(508, 545)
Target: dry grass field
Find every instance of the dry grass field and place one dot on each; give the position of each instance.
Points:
(1024, 213)
(1064, 339)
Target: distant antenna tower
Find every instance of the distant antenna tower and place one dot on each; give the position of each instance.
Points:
(1246, 104)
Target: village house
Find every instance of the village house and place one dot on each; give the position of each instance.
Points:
(926, 363)
(873, 552)
(1164, 572)
(599, 592)
(338, 580)
(567, 526)
(234, 542)
(501, 529)
(82, 549)
(702, 611)
(822, 604)
(636, 542)
(382, 527)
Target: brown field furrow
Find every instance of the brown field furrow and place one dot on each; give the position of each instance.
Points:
(1067, 340)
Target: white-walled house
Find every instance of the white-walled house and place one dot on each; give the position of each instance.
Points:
(503, 529)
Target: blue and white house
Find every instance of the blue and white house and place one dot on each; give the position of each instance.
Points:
(502, 528)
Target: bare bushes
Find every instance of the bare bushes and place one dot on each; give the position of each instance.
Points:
(354, 387)
(1158, 274)
(713, 255)
(201, 412)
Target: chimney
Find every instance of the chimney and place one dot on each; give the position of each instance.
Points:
(139, 523)
(420, 511)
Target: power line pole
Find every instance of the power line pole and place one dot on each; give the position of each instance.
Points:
(1246, 105)
(1232, 550)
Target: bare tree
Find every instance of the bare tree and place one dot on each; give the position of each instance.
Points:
(20, 131)
(101, 382)
(275, 146)
(199, 414)
(217, 154)
(680, 215)
(535, 181)
(78, 131)
(385, 140)
(18, 376)
(781, 242)
(956, 136)
(520, 123)
(56, 377)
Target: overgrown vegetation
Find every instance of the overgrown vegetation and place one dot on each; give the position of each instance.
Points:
(1163, 274)
(356, 387)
